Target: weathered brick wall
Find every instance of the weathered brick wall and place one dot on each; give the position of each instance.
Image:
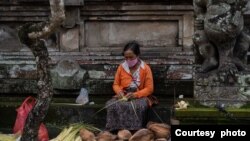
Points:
(94, 34)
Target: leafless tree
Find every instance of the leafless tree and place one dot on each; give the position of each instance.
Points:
(33, 35)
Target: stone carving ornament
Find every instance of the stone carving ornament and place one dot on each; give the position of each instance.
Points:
(220, 37)
(221, 42)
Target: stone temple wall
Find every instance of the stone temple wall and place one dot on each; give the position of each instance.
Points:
(93, 37)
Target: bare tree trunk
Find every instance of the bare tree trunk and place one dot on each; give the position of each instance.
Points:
(32, 35)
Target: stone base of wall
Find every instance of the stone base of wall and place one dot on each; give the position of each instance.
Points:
(211, 91)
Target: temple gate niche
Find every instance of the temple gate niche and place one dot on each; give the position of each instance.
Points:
(222, 41)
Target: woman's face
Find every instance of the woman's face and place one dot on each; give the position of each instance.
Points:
(129, 55)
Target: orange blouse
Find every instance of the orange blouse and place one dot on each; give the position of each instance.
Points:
(123, 78)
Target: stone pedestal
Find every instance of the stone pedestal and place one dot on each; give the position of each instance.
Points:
(211, 89)
(67, 75)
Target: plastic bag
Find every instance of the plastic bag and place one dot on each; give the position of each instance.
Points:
(43, 133)
(83, 97)
(22, 114)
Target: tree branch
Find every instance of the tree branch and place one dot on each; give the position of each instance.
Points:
(57, 17)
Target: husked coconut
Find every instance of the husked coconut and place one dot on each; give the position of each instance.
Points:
(161, 139)
(124, 134)
(142, 135)
(174, 121)
(86, 135)
(105, 136)
(160, 130)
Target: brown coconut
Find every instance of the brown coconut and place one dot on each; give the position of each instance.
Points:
(86, 135)
(161, 139)
(106, 136)
(124, 134)
(174, 121)
(160, 130)
(142, 135)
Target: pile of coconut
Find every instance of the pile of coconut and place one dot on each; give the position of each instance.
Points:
(153, 132)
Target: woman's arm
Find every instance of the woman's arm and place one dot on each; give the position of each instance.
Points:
(117, 82)
(148, 87)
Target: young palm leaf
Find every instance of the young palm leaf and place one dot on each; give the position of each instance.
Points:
(124, 98)
(70, 132)
(157, 115)
(86, 126)
(134, 108)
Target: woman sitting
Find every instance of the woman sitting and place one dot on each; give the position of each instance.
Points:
(132, 85)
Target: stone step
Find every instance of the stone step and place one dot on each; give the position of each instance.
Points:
(64, 111)
(201, 115)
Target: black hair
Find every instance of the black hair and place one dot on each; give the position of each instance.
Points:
(134, 46)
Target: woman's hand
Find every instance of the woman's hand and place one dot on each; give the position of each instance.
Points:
(130, 96)
(119, 95)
